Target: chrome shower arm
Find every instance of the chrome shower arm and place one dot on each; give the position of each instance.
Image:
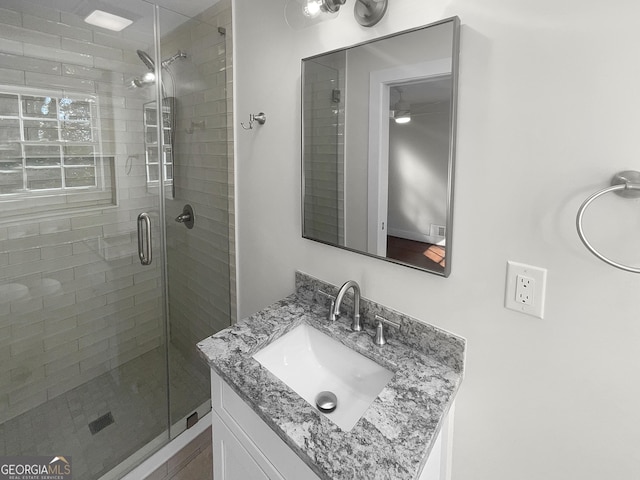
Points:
(173, 58)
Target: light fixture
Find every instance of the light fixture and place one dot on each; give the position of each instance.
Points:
(401, 110)
(107, 20)
(313, 8)
(304, 13)
(369, 12)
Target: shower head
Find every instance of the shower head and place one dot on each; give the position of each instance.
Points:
(146, 59)
(149, 78)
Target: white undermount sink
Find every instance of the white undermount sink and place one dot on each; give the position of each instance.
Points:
(310, 362)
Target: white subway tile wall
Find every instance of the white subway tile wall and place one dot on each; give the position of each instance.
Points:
(74, 300)
(324, 151)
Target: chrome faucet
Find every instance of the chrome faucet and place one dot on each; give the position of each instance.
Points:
(335, 313)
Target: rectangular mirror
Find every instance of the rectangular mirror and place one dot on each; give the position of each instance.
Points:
(378, 147)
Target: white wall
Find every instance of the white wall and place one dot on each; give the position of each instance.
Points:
(548, 109)
(418, 173)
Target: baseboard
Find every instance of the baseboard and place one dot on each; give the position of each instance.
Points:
(416, 236)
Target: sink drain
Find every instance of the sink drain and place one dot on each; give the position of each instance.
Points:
(326, 401)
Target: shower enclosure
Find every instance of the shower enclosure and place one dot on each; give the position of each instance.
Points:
(105, 137)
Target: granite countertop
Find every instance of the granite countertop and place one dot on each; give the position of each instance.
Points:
(395, 435)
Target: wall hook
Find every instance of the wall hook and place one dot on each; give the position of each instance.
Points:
(261, 118)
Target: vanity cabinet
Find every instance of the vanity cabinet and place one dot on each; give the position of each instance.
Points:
(244, 447)
(261, 429)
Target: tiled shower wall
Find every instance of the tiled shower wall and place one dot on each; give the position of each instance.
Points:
(324, 151)
(105, 310)
(199, 259)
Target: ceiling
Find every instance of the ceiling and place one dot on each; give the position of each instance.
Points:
(172, 14)
(190, 8)
(423, 92)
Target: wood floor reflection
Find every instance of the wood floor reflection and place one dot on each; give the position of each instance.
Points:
(420, 254)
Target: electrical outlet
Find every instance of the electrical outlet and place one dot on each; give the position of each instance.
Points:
(525, 289)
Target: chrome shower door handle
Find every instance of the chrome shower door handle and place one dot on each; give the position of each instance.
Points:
(144, 239)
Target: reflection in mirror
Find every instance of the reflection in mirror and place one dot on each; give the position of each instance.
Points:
(378, 146)
(153, 164)
(417, 174)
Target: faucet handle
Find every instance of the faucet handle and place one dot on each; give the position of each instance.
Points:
(332, 314)
(380, 338)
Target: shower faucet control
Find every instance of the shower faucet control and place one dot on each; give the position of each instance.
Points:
(187, 217)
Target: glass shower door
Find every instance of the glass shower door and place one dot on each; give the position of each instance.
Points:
(83, 365)
(105, 136)
(197, 175)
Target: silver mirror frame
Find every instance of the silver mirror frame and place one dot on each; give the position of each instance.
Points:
(455, 54)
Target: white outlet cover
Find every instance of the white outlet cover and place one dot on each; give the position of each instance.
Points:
(539, 275)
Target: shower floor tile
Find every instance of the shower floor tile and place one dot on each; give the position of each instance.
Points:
(135, 395)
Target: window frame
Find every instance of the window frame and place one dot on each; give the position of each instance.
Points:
(151, 128)
(94, 145)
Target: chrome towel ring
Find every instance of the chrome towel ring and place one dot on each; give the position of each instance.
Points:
(625, 184)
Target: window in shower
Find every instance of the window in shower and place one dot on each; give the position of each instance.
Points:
(50, 151)
(47, 142)
(152, 163)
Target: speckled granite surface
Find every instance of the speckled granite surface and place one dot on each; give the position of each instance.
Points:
(394, 437)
